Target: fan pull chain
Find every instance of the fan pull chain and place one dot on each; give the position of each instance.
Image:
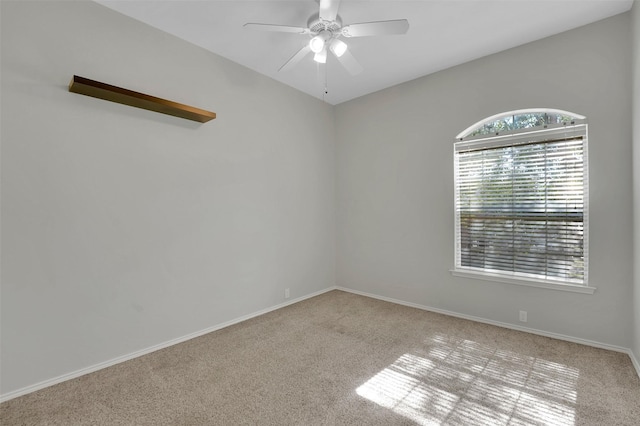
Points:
(326, 90)
(320, 68)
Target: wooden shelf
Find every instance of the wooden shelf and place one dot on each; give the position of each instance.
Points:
(96, 89)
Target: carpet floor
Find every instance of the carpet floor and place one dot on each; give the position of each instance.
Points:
(344, 359)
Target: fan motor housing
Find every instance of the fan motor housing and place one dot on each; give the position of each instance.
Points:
(317, 25)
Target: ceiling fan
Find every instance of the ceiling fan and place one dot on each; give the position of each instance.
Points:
(325, 30)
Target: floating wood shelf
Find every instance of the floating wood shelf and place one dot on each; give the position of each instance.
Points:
(96, 89)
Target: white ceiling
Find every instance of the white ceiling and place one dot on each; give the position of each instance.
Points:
(442, 33)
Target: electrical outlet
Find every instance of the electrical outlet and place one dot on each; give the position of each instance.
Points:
(286, 293)
(523, 316)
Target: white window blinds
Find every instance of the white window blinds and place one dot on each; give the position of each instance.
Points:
(521, 205)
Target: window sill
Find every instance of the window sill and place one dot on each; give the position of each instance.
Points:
(488, 276)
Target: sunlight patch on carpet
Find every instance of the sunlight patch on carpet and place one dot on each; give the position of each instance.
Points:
(473, 384)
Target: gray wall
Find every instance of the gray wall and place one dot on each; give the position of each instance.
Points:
(124, 228)
(635, 18)
(395, 181)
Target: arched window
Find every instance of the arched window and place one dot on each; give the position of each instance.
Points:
(519, 120)
(521, 182)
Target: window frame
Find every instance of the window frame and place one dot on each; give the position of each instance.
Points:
(576, 127)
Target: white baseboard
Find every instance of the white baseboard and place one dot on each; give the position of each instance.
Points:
(635, 362)
(114, 361)
(503, 324)
(136, 354)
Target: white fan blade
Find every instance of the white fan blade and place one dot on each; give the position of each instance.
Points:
(329, 9)
(277, 28)
(296, 58)
(398, 26)
(350, 63)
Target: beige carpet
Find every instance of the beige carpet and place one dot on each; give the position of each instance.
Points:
(343, 359)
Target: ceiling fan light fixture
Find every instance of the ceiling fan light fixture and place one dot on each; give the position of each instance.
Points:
(321, 56)
(317, 43)
(338, 47)
(323, 30)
